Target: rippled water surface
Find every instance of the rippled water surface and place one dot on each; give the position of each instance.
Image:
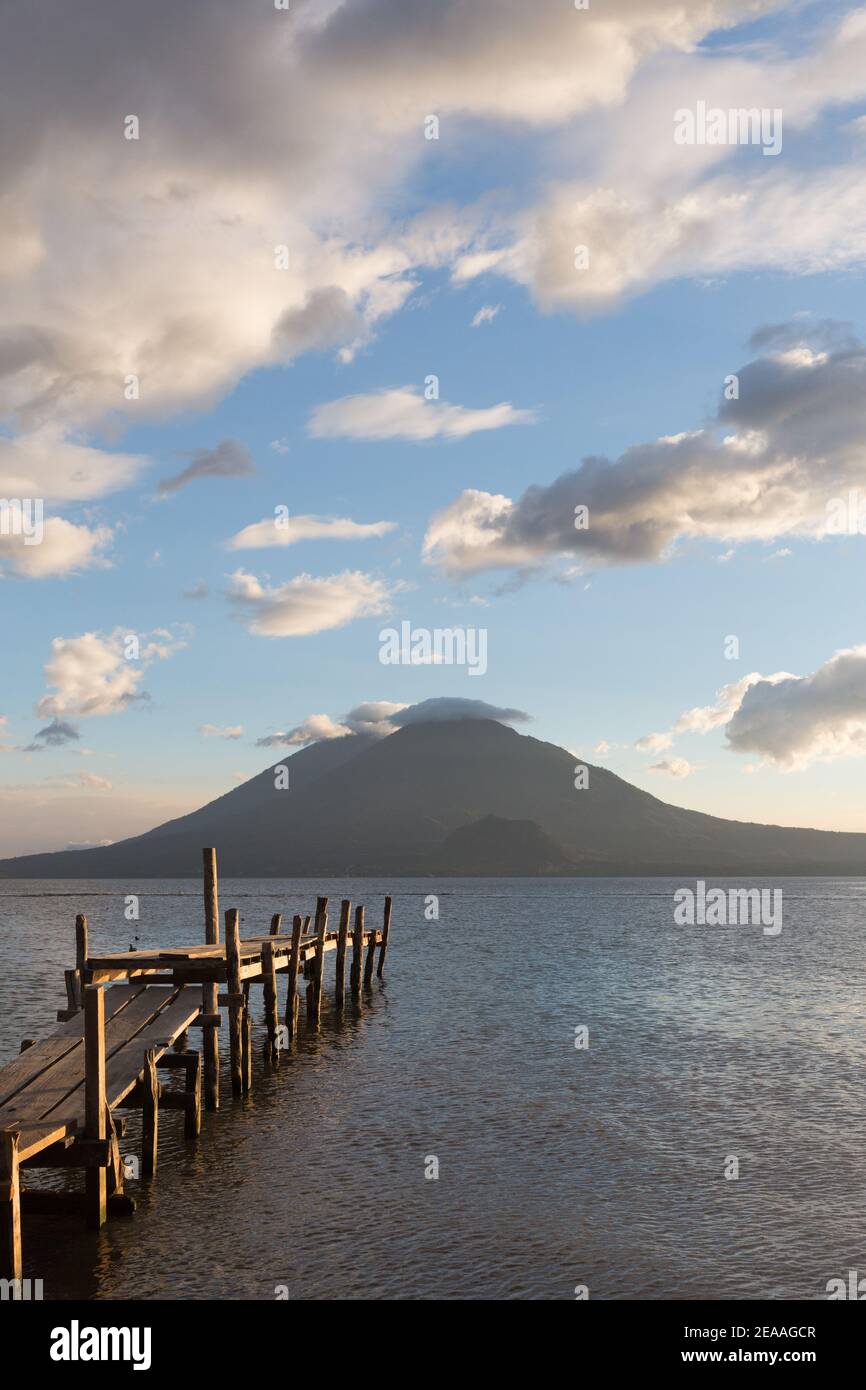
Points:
(557, 1166)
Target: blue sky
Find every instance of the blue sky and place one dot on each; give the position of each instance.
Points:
(170, 270)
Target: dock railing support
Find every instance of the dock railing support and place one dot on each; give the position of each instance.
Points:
(269, 980)
(95, 1118)
(386, 932)
(292, 983)
(10, 1207)
(342, 942)
(236, 999)
(357, 952)
(210, 1036)
(319, 971)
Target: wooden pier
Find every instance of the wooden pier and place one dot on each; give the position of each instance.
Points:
(126, 1019)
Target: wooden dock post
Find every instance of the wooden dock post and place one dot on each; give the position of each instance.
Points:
(319, 971)
(276, 923)
(11, 1266)
(371, 957)
(210, 1036)
(269, 980)
(292, 985)
(342, 941)
(386, 932)
(236, 999)
(357, 952)
(149, 1115)
(95, 1119)
(247, 1049)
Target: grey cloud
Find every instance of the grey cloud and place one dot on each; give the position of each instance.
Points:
(54, 735)
(771, 464)
(228, 460)
(325, 320)
(795, 720)
(453, 707)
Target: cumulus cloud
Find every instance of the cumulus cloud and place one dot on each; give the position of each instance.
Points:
(674, 767)
(313, 729)
(65, 548)
(776, 461)
(275, 531)
(793, 721)
(92, 674)
(228, 460)
(404, 413)
(305, 605)
(455, 707)
(232, 731)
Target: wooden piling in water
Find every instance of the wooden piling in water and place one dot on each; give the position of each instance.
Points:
(269, 980)
(210, 1036)
(342, 942)
(386, 932)
(11, 1262)
(276, 923)
(236, 999)
(95, 1123)
(357, 952)
(319, 971)
(292, 986)
(149, 1115)
(371, 957)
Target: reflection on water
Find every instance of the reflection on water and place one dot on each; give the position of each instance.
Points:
(556, 1166)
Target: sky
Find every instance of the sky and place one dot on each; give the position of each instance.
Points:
(322, 320)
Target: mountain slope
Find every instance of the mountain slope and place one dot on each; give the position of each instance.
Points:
(406, 804)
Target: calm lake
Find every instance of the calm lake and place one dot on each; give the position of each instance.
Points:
(558, 1166)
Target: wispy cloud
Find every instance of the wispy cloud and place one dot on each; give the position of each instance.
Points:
(404, 413)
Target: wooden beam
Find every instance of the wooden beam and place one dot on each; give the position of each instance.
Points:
(11, 1265)
(292, 983)
(269, 978)
(371, 957)
(357, 952)
(233, 969)
(319, 969)
(149, 1115)
(210, 1040)
(95, 1118)
(276, 923)
(342, 941)
(386, 932)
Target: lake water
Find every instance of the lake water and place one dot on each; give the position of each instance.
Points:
(558, 1166)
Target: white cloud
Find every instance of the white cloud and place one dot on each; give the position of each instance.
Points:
(486, 314)
(65, 548)
(404, 413)
(305, 605)
(276, 532)
(232, 731)
(91, 674)
(654, 743)
(793, 721)
(674, 767)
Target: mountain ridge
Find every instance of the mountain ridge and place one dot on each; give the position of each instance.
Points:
(406, 805)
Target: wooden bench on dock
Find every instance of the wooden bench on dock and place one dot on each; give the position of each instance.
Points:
(125, 1010)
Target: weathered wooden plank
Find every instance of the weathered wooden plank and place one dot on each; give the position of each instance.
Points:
(47, 1090)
